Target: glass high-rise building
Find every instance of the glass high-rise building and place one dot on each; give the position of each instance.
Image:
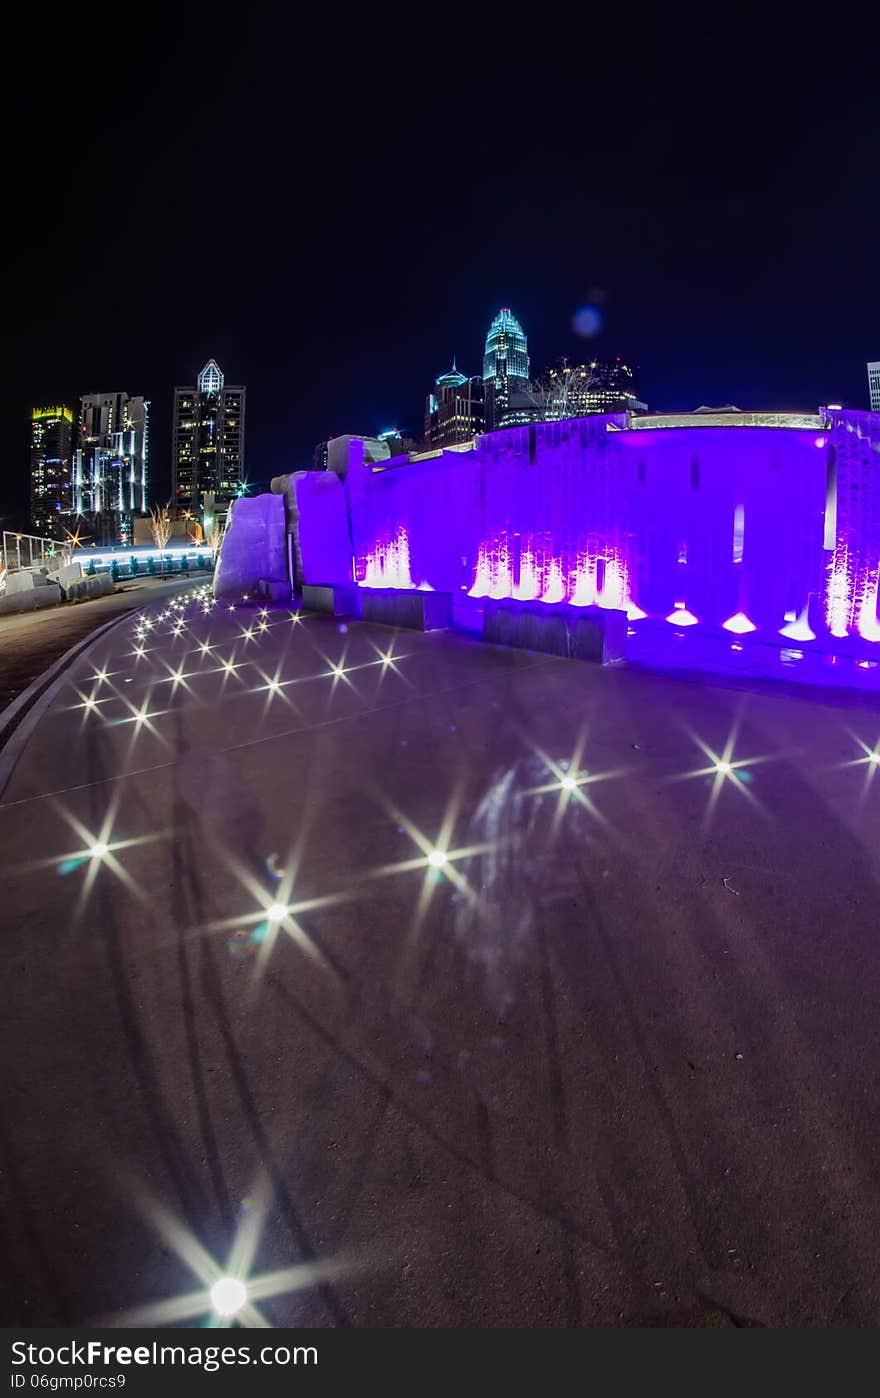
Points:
(874, 386)
(110, 464)
(505, 368)
(52, 438)
(208, 442)
(455, 411)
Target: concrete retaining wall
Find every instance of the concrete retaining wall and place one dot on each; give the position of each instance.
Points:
(99, 586)
(254, 546)
(33, 599)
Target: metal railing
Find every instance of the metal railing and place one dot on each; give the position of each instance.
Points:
(19, 551)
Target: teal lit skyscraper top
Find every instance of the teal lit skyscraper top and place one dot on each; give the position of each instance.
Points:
(505, 364)
(507, 352)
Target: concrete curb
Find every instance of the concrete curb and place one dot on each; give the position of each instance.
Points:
(38, 696)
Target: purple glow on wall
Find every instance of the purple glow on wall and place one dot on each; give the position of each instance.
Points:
(851, 595)
(869, 609)
(840, 599)
(387, 565)
(541, 577)
(761, 529)
(798, 627)
(739, 623)
(680, 616)
(318, 519)
(854, 568)
(493, 573)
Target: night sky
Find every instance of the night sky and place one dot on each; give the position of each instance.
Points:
(333, 210)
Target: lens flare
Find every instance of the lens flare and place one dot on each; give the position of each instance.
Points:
(587, 322)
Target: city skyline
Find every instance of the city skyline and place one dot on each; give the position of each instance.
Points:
(714, 253)
(454, 386)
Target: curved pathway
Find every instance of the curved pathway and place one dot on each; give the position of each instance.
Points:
(427, 983)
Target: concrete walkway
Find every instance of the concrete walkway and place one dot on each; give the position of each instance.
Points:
(438, 985)
(31, 641)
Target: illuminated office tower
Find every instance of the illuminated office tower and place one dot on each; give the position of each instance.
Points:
(52, 434)
(874, 386)
(506, 371)
(110, 464)
(455, 410)
(207, 442)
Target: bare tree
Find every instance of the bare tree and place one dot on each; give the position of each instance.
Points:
(161, 524)
(559, 392)
(214, 536)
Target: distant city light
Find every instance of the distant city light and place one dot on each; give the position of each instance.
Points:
(143, 552)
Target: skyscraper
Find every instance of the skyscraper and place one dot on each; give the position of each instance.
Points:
(505, 369)
(110, 464)
(874, 385)
(207, 442)
(52, 432)
(455, 411)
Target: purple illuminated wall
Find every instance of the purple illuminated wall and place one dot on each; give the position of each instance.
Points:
(318, 519)
(853, 568)
(751, 528)
(254, 546)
